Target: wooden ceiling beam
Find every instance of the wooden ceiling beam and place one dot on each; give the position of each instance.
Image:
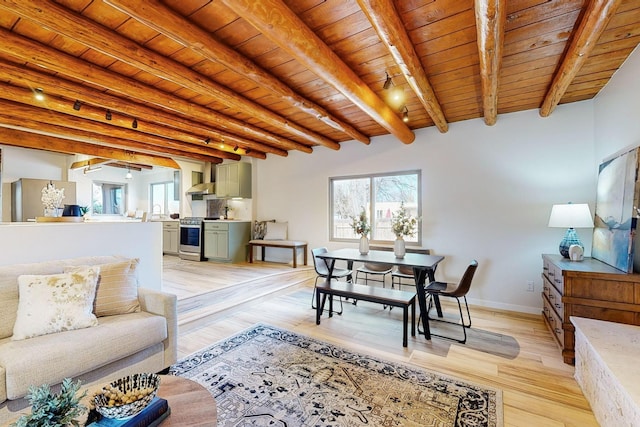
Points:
(491, 17)
(20, 138)
(385, 20)
(593, 23)
(283, 27)
(89, 162)
(67, 23)
(32, 78)
(40, 119)
(55, 60)
(156, 15)
(118, 125)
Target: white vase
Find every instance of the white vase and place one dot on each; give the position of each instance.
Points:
(364, 245)
(398, 248)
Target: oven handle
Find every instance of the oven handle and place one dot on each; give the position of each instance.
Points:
(189, 226)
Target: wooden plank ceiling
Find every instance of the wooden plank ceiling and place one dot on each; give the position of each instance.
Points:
(150, 81)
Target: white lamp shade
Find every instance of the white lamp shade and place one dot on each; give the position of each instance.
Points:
(571, 215)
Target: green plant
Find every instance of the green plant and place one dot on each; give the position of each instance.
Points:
(53, 409)
(360, 224)
(402, 223)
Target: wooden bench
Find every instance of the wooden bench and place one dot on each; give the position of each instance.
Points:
(287, 244)
(390, 297)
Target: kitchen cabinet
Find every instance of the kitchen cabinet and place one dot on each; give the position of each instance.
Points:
(233, 180)
(226, 241)
(170, 237)
(588, 288)
(26, 197)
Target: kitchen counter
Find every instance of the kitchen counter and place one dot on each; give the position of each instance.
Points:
(227, 220)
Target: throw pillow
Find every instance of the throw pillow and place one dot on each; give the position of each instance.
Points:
(117, 288)
(55, 303)
(276, 231)
(260, 228)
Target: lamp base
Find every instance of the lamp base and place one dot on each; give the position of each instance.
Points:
(570, 238)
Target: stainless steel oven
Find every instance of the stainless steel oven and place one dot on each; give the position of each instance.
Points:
(191, 239)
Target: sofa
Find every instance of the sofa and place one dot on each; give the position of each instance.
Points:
(85, 318)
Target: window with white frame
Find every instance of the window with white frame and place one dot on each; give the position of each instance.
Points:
(381, 196)
(163, 200)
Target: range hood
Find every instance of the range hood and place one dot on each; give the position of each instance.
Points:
(203, 188)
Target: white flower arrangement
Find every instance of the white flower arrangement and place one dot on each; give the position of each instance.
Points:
(52, 196)
(403, 224)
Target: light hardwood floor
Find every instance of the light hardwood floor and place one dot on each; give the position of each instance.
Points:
(510, 351)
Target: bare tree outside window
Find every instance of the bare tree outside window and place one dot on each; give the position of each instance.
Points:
(380, 195)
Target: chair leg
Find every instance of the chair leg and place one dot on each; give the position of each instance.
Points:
(461, 323)
(313, 298)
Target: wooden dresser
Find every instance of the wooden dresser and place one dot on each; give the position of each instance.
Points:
(589, 288)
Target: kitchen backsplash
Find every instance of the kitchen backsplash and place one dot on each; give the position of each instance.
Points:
(215, 207)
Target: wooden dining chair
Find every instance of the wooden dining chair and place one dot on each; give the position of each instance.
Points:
(322, 271)
(453, 290)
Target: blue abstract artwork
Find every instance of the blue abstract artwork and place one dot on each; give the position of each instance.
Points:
(614, 232)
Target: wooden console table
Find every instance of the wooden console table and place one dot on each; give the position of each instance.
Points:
(590, 289)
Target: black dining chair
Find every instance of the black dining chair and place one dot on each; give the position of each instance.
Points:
(322, 271)
(452, 290)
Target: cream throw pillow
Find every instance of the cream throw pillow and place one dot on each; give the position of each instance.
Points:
(117, 288)
(276, 231)
(55, 303)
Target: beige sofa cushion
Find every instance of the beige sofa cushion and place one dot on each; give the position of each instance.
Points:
(117, 289)
(9, 283)
(56, 302)
(48, 359)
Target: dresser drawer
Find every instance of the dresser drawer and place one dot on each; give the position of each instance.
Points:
(556, 278)
(170, 225)
(554, 322)
(555, 298)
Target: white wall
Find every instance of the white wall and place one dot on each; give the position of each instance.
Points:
(617, 110)
(487, 193)
(34, 242)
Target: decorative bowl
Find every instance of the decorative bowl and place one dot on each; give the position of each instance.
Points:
(127, 396)
(174, 216)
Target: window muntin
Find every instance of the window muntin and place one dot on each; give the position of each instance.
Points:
(380, 195)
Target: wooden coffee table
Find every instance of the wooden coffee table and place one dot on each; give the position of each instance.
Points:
(191, 404)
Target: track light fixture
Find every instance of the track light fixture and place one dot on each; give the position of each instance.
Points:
(108, 115)
(90, 169)
(247, 151)
(405, 114)
(134, 123)
(388, 83)
(77, 105)
(207, 141)
(39, 94)
(128, 175)
(235, 148)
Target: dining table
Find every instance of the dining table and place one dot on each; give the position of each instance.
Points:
(424, 267)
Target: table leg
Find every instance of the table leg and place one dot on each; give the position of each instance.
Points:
(250, 254)
(319, 307)
(263, 249)
(405, 322)
(420, 275)
(431, 274)
(295, 257)
(330, 304)
(413, 317)
(304, 250)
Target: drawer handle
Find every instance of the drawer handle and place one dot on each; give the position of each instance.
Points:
(558, 306)
(550, 318)
(551, 274)
(545, 288)
(552, 296)
(558, 331)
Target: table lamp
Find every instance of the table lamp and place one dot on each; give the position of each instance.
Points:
(570, 216)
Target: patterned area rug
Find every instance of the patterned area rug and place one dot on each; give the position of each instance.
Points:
(266, 376)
